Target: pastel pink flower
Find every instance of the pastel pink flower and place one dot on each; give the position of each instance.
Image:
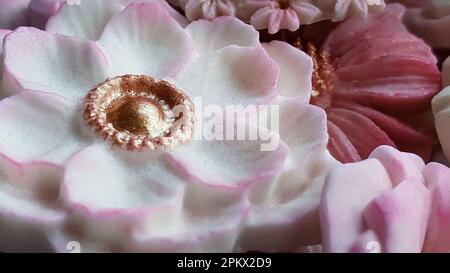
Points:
(391, 202)
(211, 196)
(385, 79)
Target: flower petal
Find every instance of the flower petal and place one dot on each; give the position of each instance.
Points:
(95, 14)
(303, 128)
(284, 211)
(446, 73)
(209, 220)
(221, 32)
(295, 70)
(13, 13)
(275, 19)
(144, 39)
(400, 166)
(430, 22)
(41, 10)
(406, 137)
(209, 9)
(390, 82)
(348, 189)
(340, 146)
(441, 111)
(437, 177)
(48, 129)
(400, 216)
(210, 161)
(234, 76)
(53, 63)
(30, 191)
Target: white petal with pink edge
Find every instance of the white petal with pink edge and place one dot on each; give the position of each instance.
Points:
(233, 76)
(221, 32)
(54, 63)
(157, 46)
(48, 129)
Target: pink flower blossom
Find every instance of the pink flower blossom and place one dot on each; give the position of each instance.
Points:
(137, 194)
(375, 80)
(391, 202)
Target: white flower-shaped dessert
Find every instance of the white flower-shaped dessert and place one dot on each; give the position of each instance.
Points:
(100, 138)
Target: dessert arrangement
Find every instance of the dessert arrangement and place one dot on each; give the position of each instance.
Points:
(225, 126)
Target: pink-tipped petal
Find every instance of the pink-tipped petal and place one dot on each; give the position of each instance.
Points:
(285, 212)
(405, 137)
(144, 39)
(234, 76)
(295, 70)
(138, 199)
(348, 189)
(343, 8)
(95, 14)
(3, 33)
(221, 32)
(340, 146)
(48, 128)
(437, 178)
(210, 219)
(400, 166)
(29, 205)
(363, 133)
(53, 63)
(302, 128)
(400, 216)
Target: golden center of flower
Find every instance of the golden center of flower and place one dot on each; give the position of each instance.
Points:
(137, 112)
(323, 76)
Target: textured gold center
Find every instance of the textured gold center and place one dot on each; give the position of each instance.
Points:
(136, 112)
